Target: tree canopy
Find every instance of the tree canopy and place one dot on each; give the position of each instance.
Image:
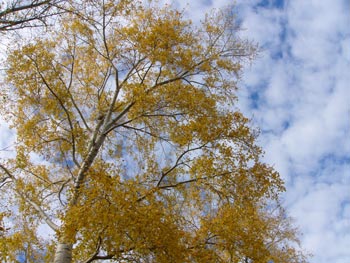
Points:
(130, 146)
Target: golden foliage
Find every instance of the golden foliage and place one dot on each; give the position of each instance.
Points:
(142, 153)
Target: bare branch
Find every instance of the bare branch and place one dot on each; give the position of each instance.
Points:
(177, 163)
(145, 132)
(19, 15)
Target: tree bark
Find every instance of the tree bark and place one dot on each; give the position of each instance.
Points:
(63, 253)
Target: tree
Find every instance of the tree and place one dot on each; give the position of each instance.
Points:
(20, 14)
(130, 147)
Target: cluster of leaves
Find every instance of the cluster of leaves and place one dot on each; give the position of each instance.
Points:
(143, 155)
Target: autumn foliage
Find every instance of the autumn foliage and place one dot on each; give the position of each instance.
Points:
(130, 146)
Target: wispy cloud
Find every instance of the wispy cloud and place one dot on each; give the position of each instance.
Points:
(298, 93)
(7, 138)
(301, 101)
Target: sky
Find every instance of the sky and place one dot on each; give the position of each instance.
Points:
(297, 91)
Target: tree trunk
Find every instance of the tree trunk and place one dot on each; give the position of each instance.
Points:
(63, 253)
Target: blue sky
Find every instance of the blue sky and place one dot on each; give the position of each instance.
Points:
(298, 93)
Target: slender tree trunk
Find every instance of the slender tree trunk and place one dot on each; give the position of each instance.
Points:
(63, 253)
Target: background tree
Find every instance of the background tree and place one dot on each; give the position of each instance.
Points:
(20, 14)
(130, 147)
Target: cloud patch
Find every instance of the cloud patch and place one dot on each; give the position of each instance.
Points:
(301, 102)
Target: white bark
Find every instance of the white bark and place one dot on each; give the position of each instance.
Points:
(63, 253)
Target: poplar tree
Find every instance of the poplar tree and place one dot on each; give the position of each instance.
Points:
(130, 146)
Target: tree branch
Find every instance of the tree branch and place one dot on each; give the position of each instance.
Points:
(34, 205)
(177, 163)
(18, 16)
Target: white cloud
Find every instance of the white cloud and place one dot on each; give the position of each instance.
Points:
(297, 92)
(345, 49)
(301, 102)
(7, 138)
(304, 112)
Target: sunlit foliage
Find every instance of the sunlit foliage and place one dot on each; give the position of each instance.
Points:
(130, 146)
